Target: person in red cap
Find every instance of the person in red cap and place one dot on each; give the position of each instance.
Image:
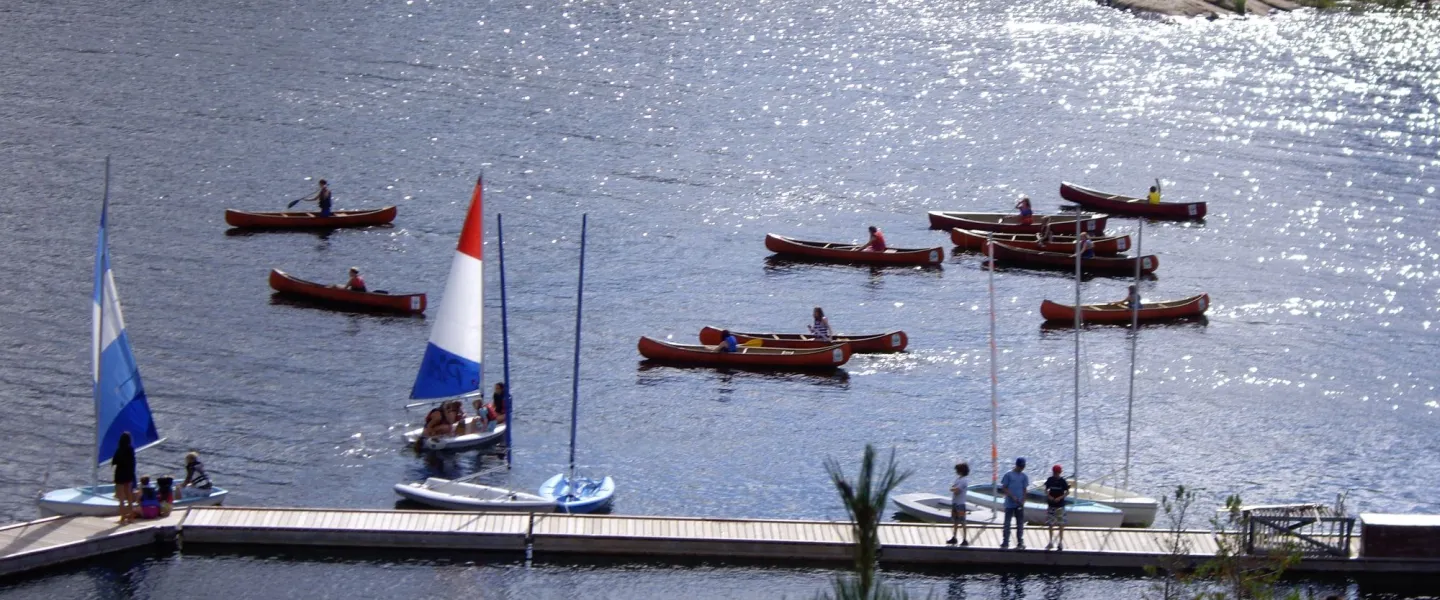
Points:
(1056, 489)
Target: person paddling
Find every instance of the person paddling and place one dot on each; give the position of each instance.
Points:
(876, 243)
(1027, 214)
(821, 327)
(356, 283)
(1154, 195)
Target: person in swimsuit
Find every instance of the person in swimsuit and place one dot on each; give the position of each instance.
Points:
(1027, 214)
(124, 463)
(876, 243)
(821, 327)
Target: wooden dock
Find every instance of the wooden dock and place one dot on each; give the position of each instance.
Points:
(57, 540)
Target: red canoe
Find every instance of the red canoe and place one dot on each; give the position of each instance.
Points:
(1010, 222)
(788, 246)
(827, 357)
(1120, 265)
(287, 284)
(975, 240)
(1135, 207)
(894, 341)
(1118, 312)
(309, 220)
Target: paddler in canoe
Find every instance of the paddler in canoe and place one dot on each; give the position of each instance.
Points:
(876, 243)
(1027, 214)
(820, 328)
(1046, 236)
(322, 196)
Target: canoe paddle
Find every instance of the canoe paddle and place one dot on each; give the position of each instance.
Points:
(299, 200)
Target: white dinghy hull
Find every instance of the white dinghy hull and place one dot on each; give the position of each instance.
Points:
(101, 502)
(452, 443)
(1077, 514)
(1138, 510)
(934, 508)
(457, 495)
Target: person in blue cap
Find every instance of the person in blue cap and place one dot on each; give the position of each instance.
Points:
(1014, 484)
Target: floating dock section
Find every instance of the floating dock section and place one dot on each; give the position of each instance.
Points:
(58, 540)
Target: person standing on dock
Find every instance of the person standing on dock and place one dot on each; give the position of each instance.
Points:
(1056, 489)
(957, 504)
(124, 463)
(1014, 484)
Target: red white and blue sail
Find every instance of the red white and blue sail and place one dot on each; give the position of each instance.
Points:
(120, 402)
(451, 366)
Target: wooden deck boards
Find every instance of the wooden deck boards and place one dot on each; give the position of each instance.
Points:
(52, 541)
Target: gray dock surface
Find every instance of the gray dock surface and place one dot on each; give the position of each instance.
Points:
(53, 541)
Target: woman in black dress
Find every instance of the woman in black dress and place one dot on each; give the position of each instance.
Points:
(124, 462)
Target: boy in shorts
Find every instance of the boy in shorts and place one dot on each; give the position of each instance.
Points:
(1056, 488)
(957, 504)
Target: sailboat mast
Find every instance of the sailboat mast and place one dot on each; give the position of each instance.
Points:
(504, 340)
(1134, 340)
(994, 377)
(101, 250)
(1075, 466)
(575, 383)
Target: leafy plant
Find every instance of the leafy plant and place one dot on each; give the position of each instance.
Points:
(864, 498)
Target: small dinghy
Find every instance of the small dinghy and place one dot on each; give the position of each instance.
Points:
(460, 495)
(1078, 513)
(121, 405)
(571, 492)
(934, 508)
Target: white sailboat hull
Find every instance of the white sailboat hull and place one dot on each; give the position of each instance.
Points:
(589, 496)
(456, 495)
(101, 501)
(1080, 513)
(1138, 510)
(453, 443)
(934, 508)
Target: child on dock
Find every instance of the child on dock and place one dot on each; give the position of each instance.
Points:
(1056, 488)
(957, 503)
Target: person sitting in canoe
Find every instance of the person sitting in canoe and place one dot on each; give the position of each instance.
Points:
(821, 327)
(1027, 214)
(876, 243)
(1084, 246)
(1154, 196)
(356, 283)
(728, 343)
(1046, 235)
(1132, 299)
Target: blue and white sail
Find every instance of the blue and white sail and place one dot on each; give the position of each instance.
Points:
(120, 402)
(451, 366)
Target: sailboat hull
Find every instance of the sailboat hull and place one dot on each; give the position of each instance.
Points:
(1079, 513)
(452, 443)
(458, 495)
(1139, 511)
(934, 508)
(100, 501)
(589, 496)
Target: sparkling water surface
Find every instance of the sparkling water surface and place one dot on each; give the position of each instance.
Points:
(688, 130)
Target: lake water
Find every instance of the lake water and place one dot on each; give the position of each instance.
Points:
(686, 131)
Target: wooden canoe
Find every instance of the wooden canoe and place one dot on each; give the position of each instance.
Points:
(309, 220)
(827, 357)
(975, 240)
(1116, 265)
(288, 284)
(1134, 207)
(1010, 222)
(830, 251)
(1118, 312)
(894, 341)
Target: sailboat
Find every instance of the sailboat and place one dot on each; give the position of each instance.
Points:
(571, 492)
(935, 508)
(120, 402)
(451, 368)
(1077, 513)
(1138, 510)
